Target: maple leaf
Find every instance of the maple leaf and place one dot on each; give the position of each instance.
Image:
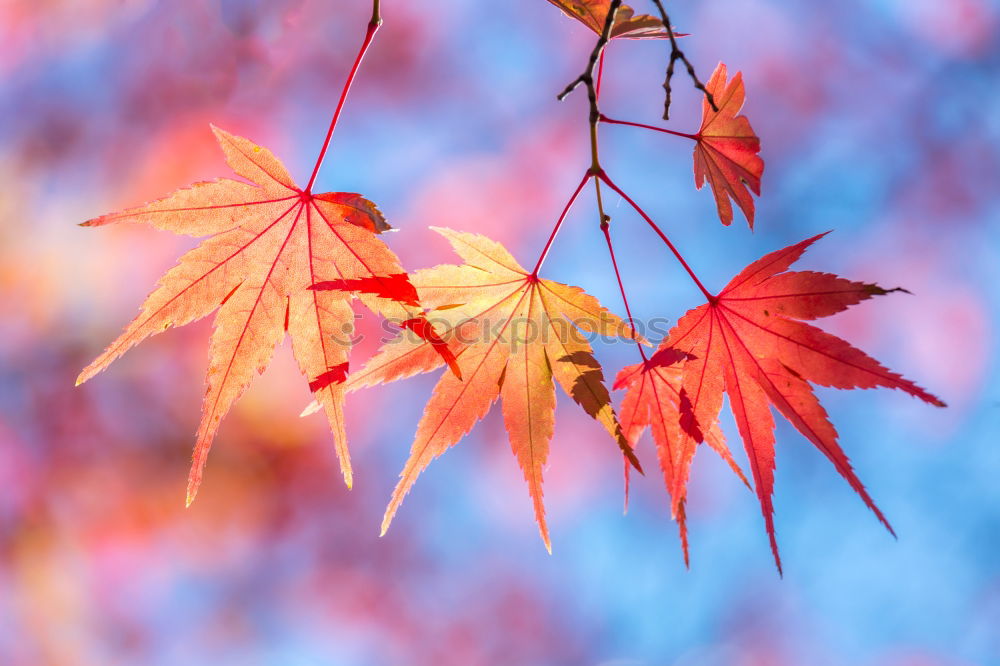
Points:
(269, 241)
(750, 341)
(655, 400)
(594, 13)
(726, 150)
(514, 336)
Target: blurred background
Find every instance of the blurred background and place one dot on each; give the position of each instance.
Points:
(880, 120)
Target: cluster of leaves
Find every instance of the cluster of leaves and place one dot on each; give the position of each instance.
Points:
(282, 259)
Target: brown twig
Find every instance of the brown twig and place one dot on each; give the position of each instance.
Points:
(587, 79)
(675, 55)
(596, 172)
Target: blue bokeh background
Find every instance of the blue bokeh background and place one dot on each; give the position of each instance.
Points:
(880, 120)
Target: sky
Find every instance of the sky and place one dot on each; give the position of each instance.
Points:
(879, 121)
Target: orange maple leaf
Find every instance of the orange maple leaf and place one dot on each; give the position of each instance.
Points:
(514, 336)
(269, 241)
(749, 342)
(594, 13)
(726, 150)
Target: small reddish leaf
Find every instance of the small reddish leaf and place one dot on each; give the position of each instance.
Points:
(726, 152)
(423, 330)
(656, 399)
(750, 342)
(395, 287)
(356, 210)
(335, 375)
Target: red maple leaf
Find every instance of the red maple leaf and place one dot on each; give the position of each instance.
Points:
(656, 401)
(750, 342)
(726, 150)
(269, 242)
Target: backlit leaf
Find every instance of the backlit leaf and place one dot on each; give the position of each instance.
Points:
(750, 342)
(515, 337)
(726, 152)
(269, 242)
(594, 13)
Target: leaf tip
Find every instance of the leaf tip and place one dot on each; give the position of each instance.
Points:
(630, 457)
(390, 513)
(628, 486)
(194, 477)
(311, 408)
(543, 529)
(875, 290)
(777, 557)
(681, 518)
(87, 374)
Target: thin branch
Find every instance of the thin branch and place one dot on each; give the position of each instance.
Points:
(606, 228)
(587, 79)
(675, 55)
(555, 230)
(596, 171)
(373, 26)
(604, 217)
(612, 121)
(708, 295)
(600, 75)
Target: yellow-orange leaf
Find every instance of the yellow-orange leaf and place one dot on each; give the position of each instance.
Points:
(594, 13)
(726, 152)
(515, 337)
(269, 242)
